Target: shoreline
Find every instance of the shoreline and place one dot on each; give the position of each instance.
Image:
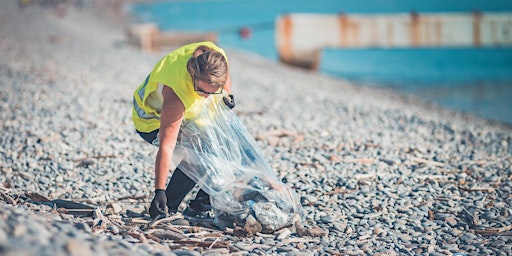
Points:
(478, 101)
(382, 173)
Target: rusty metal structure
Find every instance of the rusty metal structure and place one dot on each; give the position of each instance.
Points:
(301, 37)
(149, 38)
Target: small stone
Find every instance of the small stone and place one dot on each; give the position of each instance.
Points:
(217, 251)
(19, 230)
(252, 225)
(6, 169)
(284, 249)
(87, 162)
(186, 253)
(114, 208)
(134, 214)
(269, 216)
(378, 231)
(451, 221)
(66, 166)
(83, 226)
(114, 229)
(78, 248)
(180, 222)
(284, 233)
(327, 219)
(308, 200)
(431, 248)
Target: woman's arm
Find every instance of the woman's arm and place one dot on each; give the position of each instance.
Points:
(170, 123)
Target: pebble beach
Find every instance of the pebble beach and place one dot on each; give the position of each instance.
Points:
(377, 172)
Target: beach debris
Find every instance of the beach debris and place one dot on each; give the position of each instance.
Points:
(36, 197)
(252, 225)
(471, 218)
(7, 198)
(167, 234)
(276, 133)
(114, 208)
(495, 231)
(312, 232)
(283, 233)
(61, 205)
(73, 208)
(87, 162)
(269, 216)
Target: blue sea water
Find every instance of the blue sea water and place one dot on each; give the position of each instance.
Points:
(475, 80)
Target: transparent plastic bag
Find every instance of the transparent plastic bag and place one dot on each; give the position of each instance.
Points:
(220, 155)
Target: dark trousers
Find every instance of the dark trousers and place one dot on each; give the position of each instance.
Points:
(179, 185)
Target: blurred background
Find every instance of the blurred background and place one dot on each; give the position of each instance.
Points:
(473, 75)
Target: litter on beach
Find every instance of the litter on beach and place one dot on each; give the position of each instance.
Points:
(221, 156)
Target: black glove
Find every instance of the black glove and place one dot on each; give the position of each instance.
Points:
(159, 203)
(229, 100)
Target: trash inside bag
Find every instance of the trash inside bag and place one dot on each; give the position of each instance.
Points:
(220, 155)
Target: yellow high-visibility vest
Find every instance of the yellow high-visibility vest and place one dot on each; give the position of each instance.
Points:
(170, 71)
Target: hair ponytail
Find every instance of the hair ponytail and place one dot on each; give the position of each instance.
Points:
(208, 65)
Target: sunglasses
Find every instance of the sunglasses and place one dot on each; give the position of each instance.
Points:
(205, 92)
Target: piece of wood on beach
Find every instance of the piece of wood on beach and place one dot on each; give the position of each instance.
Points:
(478, 189)
(8, 199)
(204, 244)
(73, 208)
(166, 234)
(494, 231)
(276, 133)
(36, 197)
(339, 191)
(427, 162)
(312, 232)
(471, 218)
(163, 220)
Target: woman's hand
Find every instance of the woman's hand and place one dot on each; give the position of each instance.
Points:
(159, 204)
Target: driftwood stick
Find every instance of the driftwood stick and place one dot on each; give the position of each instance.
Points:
(96, 157)
(478, 189)
(133, 234)
(131, 197)
(167, 219)
(152, 237)
(143, 239)
(136, 221)
(276, 133)
(493, 231)
(204, 234)
(4, 189)
(7, 198)
(166, 234)
(338, 191)
(205, 244)
(215, 241)
(359, 160)
(171, 227)
(67, 210)
(200, 228)
(427, 162)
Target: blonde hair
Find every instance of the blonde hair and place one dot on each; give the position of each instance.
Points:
(208, 65)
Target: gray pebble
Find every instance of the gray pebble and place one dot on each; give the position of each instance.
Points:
(186, 253)
(83, 226)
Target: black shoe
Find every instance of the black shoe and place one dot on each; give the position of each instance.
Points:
(197, 216)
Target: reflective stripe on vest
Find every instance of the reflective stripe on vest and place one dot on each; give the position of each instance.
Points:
(140, 112)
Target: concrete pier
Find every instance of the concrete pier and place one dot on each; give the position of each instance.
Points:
(300, 37)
